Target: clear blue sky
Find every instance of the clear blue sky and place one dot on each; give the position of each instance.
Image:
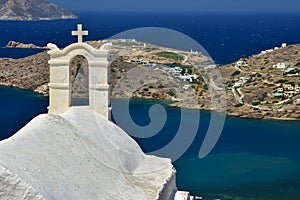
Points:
(180, 5)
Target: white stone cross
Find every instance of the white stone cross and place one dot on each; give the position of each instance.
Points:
(79, 33)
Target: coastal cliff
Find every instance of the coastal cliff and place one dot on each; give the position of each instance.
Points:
(32, 10)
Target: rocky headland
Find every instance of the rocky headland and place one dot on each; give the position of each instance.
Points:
(262, 86)
(14, 44)
(32, 10)
(265, 85)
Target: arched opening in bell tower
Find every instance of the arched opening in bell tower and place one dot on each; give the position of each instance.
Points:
(79, 81)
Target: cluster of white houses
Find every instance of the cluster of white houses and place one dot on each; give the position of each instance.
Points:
(241, 63)
(280, 65)
(144, 63)
(177, 73)
(288, 71)
(122, 40)
(241, 82)
(283, 45)
(287, 90)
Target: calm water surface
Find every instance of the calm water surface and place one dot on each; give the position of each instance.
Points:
(254, 159)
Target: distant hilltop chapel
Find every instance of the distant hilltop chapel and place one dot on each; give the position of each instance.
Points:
(74, 151)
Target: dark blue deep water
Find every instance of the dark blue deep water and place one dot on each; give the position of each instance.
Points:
(254, 159)
(225, 36)
(18, 107)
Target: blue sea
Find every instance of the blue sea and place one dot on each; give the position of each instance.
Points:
(253, 159)
(225, 36)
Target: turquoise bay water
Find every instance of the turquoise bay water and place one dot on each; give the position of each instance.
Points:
(254, 159)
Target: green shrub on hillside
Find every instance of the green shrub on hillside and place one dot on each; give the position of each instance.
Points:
(170, 55)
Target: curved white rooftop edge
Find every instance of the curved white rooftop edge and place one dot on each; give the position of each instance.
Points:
(80, 155)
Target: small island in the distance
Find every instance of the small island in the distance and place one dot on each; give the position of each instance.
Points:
(27, 10)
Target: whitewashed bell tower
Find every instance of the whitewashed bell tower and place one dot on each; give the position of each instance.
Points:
(60, 76)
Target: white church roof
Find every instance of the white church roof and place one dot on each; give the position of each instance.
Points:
(80, 155)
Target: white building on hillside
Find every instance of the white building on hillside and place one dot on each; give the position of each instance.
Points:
(241, 63)
(280, 66)
(283, 45)
(189, 77)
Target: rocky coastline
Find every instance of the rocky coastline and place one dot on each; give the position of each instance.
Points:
(258, 103)
(32, 10)
(20, 45)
